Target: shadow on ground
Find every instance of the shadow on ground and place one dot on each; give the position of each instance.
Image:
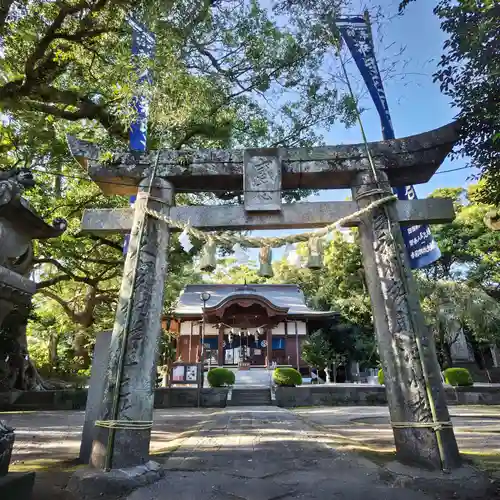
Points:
(238, 453)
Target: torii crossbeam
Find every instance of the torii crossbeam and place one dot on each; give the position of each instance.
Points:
(415, 394)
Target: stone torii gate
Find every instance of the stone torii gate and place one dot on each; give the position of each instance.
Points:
(417, 404)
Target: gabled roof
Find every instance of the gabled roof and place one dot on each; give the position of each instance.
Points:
(281, 296)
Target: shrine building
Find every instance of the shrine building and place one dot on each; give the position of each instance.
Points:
(246, 325)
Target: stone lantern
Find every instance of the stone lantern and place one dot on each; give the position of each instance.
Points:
(19, 225)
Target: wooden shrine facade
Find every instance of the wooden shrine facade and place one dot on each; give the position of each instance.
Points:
(252, 325)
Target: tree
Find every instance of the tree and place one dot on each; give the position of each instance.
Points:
(319, 353)
(72, 61)
(451, 307)
(316, 352)
(338, 286)
(66, 68)
(230, 272)
(468, 73)
(166, 357)
(470, 250)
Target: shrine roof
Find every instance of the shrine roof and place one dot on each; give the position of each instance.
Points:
(283, 296)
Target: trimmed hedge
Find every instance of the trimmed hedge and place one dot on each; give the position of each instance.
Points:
(458, 377)
(287, 377)
(220, 377)
(381, 378)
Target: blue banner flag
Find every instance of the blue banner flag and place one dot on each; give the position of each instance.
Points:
(143, 45)
(356, 32)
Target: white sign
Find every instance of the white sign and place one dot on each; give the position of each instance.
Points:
(191, 373)
(178, 374)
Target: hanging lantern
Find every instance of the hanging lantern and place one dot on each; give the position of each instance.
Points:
(230, 337)
(208, 261)
(294, 258)
(265, 260)
(239, 253)
(315, 259)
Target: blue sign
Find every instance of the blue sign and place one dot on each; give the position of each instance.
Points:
(143, 45)
(278, 343)
(421, 246)
(211, 342)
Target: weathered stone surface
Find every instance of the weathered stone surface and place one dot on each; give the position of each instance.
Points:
(19, 225)
(334, 395)
(95, 393)
(292, 216)
(400, 326)
(92, 484)
(17, 216)
(465, 482)
(14, 290)
(17, 486)
(409, 160)
(6, 444)
(188, 397)
(137, 323)
(262, 180)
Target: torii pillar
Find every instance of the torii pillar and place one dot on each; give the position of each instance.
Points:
(131, 375)
(415, 393)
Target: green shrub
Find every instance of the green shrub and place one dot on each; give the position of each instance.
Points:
(288, 377)
(220, 377)
(381, 378)
(458, 377)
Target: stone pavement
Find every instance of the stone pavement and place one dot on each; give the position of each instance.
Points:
(477, 428)
(265, 453)
(55, 435)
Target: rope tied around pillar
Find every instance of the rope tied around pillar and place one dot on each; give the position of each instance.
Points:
(372, 192)
(133, 425)
(419, 425)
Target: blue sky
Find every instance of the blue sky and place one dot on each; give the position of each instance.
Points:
(416, 103)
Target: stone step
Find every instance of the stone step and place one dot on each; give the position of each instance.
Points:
(250, 397)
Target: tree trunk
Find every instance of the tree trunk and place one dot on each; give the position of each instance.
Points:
(80, 346)
(53, 361)
(327, 375)
(334, 373)
(17, 371)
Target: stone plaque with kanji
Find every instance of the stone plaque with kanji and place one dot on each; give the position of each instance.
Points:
(262, 180)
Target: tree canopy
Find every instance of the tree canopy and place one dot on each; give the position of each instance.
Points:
(468, 73)
(67, 69)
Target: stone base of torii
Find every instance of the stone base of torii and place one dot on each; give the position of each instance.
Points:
(419, 415)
